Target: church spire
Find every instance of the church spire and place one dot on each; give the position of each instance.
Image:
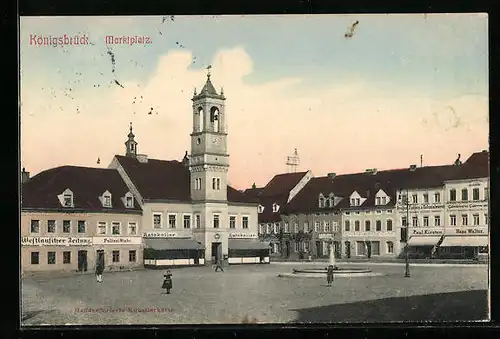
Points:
(131, 144)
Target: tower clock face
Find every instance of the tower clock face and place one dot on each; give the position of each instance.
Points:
(198, 141)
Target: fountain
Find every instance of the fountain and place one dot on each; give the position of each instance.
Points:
(337, 271)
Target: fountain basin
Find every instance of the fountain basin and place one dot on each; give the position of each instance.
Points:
(323, 276)
(338, 271)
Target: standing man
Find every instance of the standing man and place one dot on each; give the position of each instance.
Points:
(329, 275)
(219, 265)
(99, 268)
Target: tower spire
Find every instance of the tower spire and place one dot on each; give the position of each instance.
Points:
(131, 144)
(209, 67)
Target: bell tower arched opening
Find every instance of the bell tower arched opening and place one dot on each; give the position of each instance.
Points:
(214, 119)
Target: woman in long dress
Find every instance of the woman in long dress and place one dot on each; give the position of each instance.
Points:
(167, 281)
(329, 275)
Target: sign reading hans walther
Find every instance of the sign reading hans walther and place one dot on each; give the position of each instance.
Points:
(56, 241)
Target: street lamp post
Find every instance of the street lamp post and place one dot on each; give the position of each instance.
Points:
(407, 262)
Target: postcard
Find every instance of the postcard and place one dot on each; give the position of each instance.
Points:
(265, 169)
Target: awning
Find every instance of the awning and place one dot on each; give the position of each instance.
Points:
(172, 244)
(464, 241)
(423, 241)
(247, 244)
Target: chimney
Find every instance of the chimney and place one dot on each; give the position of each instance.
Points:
(185, 160)
(332, 175)
(25, 176)
(371, 171)
(254, 186)
(413, 168)
(142, 158)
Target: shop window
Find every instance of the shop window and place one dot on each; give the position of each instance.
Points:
(66, 257)
(375, 246)
(51, 258)
(390, 247)
(116, 256)
(35, 258)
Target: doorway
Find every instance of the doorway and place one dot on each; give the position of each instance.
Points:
(216, 251)
(82, 261)
(287, 252)
(318, 249)
(368, 249)
(99, 257)
(348, 249)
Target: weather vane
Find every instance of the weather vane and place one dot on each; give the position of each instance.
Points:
(208, 70)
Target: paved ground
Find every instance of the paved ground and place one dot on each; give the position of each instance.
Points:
(254, 292)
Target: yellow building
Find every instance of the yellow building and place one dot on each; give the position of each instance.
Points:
(73, 216)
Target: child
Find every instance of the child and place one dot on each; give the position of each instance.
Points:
(98, 271)
(329, 275)
(167, 281)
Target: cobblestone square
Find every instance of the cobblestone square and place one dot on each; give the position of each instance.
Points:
(256, 293)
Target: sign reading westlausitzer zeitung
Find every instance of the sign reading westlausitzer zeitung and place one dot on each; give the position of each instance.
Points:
(56, 241)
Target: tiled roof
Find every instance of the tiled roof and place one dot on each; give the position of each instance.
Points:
(253, 192)
(367, 184)
(167, 180)
(282, 183)
(87, 185)
(208, 91)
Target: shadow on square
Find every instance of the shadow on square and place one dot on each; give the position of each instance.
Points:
(453, 306)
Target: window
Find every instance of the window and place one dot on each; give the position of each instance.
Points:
(378, 225)
(384, 200)
(404, 221)
(276, 228)
(306, 226)
(486, 193)
(297, 246)
(218, 184)
(276, 207)
(51, 258)
(353, 202)
(358, 201)
(390, 247)
(326, 227)
(437, 220)
(66, 226)
(157, 220)
(132, 256)
(187, 221)
(453, 195)
(197, 184)
(260, 209)
(214, 184)
(465, 194)
(389, 225)
(377, 200)
(426, 198)
(261, 228)
(172, 220)
(268, 228)
(475, 219)
(437, 197)
(347, 225)
(35, 258)
(360, 248)
(375, 247)
(335, 226)
(389, 211)
(129, 201)
(81, 226)
(414, 221)
(356, 226)
(426, 221)
(287, 228)
(296, 227)
(216, 221)
(486, 218)
(35, 226)
(116, 256)
(115, 228)
(198, 220)
(465, 220)
(316, 226)
(232, 221)
(453, 220)
(306, 246)
(379, 212)
(132, 228)
(101, 227)
(51, 226)
(475, 194)
(404, 198)
(68, 199)
(107, 200)
(244, 222)
(66, 257)
(321, 202)
(367, 225)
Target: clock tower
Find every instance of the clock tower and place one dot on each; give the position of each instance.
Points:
(209, 161)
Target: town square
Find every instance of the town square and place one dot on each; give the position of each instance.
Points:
(216, 178)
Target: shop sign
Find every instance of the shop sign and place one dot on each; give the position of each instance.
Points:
(468, 231)
(426, 231)
(243, 236)
(56, 241)
(325, 236)
(420, 207)
(462, 206)
(117, 240)
(164, 234)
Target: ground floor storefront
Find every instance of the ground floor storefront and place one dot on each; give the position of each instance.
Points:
(369, 247)
(448, 247)
(161, 252)
(248, 251)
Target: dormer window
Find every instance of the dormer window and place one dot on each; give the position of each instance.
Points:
(260, 209)
(276, 207)
(66, 198)
(321, 201)
(129, 202)
(106, 199)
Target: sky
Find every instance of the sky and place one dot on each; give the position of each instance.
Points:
(402, 86)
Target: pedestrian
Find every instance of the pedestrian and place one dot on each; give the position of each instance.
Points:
(167, 281)
(219, 266)
(329, 275)
(99, 268)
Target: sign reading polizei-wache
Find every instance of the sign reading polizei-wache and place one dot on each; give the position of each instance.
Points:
(117, 240)
(243, 236)
(56, 241)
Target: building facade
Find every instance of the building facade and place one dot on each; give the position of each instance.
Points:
(71, 217)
